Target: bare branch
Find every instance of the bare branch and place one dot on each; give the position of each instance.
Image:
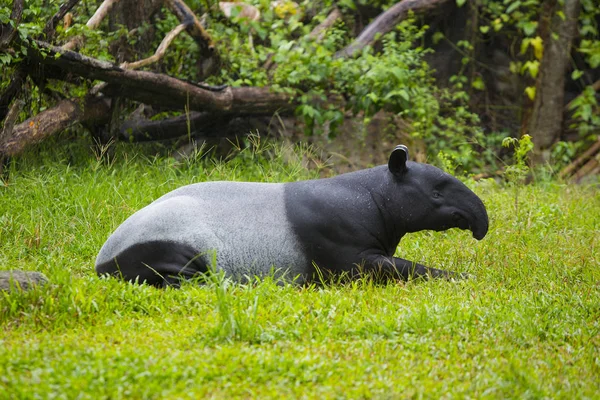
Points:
(571, 168)
(7, 32)
(160, 51)
(62, 11)
(12, 90)
(194, 27)
(92, 23)
(386, 22)
(319, 31)
(171, 128)
(11, 117)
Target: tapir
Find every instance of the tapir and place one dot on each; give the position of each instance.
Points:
(347, 225)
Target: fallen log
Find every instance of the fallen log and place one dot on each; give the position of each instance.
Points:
(160, 89)
(170, 128)
(54, 120)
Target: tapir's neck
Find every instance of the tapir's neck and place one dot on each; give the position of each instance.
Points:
(357, 203)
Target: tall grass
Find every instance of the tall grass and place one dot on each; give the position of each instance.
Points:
(528, 325)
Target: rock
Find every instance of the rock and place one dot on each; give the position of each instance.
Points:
(23, 279)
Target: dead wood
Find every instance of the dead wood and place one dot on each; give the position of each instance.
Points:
(18, 78)
(49, 29)
(208, 51)
(12, 90)
(589, 168)
(8, 32)
(160, 51)
(11, 117)
(92, 23)
(319, 31)
(159, 89)
(571, 168)
(53, 120)
(386, 22)
(170, 128)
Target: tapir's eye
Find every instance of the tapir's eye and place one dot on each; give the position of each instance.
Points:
(436, 194)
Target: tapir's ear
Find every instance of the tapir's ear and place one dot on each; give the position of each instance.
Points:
(398, 158)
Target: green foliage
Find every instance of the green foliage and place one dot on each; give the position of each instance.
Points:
(587, 113)
(527, 325)
(393, 76)
(517, 172)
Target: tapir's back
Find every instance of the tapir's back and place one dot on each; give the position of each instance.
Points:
(245, 223)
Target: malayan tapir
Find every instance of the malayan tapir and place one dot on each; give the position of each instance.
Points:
(347, 225)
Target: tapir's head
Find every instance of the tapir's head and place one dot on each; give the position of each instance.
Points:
(433, 199)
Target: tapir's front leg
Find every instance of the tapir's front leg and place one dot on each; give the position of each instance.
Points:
(384, 268)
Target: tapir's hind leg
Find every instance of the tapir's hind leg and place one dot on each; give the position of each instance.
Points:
(155, 263)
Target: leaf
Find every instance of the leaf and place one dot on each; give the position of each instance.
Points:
(484, 29)
(532, 67)
(538, 47)
(525, 45)
(513, 7)
(374, 98)
(460, 3)
(576, 74)
(497, 24)
(529, 27)
(478, 84)
(5, 58)
(437, 37)
(398, 73)
(530, 91)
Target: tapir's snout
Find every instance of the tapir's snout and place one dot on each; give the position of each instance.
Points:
(479, 223)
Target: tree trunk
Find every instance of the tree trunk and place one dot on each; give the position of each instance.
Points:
(547, 115)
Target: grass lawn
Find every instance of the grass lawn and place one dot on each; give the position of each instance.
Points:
(528, 325)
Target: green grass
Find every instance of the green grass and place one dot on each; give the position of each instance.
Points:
(528, 326)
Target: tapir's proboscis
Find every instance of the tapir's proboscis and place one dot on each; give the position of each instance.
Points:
(347, 225)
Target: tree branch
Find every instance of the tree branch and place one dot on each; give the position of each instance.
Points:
(571, 168)
(319, 31)
(11, 117)
(8, 32)
(92, 23)
(53, 120)
(194, 28)
(170, 128)
(386, 22)
(160, 51)
(153, 88)
(60, 14)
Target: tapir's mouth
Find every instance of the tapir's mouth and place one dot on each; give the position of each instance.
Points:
(460, 221)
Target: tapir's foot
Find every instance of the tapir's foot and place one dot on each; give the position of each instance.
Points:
(155, 263)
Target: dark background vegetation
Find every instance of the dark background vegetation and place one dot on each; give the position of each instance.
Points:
(451, 78)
